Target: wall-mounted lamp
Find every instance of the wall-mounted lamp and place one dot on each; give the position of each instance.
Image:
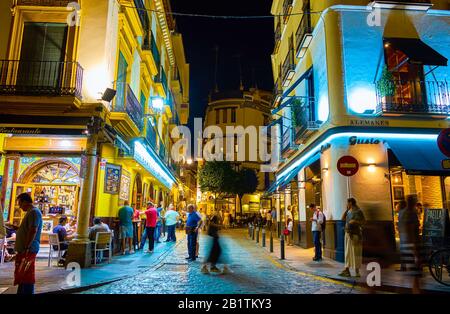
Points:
(157, 103)
(109, 94)
(324, 169)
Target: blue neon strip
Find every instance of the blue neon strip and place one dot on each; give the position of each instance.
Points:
(332, 134)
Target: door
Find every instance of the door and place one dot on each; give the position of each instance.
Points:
(16, 214)
(42, 57)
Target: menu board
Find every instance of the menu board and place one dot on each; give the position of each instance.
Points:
(435, 226)
(112, 179)
(125, 183)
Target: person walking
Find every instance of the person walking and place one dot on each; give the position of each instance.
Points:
(171, 218)
(226, 219)
(269, 220)
(150, 225)
(126, 227)
(317, 221)
(215, 251)
(289, 226)
(192, 226)
(159, 223)
(409, 229)
(28, 239)
(354, 220)
(273, 212)
(136, 222)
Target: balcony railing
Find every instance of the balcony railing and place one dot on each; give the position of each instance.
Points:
(277, 93)
(288, 68)
(287, 10)
(151, 134)
(150, 44)
(129, 105)
(303, 35)
(277, 36)
(413, 97)
(45, 3)
(40, 78)
(287, 145)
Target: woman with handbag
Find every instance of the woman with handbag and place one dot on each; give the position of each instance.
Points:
(354, 220)
(288, 233)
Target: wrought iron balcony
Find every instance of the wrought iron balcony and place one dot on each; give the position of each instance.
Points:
(40, 78)
(150, 134)
(129, 105)
(287, 10)
(277, 93)
(413, 97)
(45, 3)
(288, 68)
(277, 37)
(303, 35)
(288, 146)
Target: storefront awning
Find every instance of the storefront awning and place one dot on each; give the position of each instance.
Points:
(283, 181)
(419, 156)
(417, 51)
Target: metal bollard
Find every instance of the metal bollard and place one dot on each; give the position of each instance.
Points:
(282, 247)
(253, 232)
(271, 241)
(257, 234)
(264, 237)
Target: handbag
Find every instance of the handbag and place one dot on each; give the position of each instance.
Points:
(286, 232)
(24, 272)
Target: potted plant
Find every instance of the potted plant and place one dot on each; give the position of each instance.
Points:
(297, 115)
(386, 86)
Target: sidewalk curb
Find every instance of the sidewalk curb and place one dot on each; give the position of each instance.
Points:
(152, 266)
(355, 283)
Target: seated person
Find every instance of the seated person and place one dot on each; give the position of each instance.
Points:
(98, 226)
(63, 238)
(10, 240)
(71, 227)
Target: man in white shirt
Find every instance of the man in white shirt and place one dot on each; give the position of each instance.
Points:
(316, 228)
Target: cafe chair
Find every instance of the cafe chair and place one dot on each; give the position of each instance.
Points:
(2, 250)
(102, 243)
(53, 241)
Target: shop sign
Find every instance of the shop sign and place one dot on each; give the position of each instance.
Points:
(446, 164)
(354, 140)
(325, 147)
(348, 166)
(369, 122)
(435, 223)
(112, 178)
(443, 142)
(103, 164)
(125, 182)
(39, 131)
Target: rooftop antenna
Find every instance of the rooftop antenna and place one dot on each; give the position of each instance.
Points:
(241, 84)
(216, 86)
(255, 81)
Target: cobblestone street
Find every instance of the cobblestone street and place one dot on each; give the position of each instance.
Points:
(254, 271)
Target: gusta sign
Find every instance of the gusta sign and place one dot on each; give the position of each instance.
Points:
(354, 140)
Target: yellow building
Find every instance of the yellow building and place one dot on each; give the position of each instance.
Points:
(366, 79)
(239, 109)
(89, 91)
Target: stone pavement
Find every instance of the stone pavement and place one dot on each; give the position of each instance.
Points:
(53, 279)
(299, 259)
(253, 272)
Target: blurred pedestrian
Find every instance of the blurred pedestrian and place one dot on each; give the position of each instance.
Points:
(150, 225)
(269, 220)
(27, 244)
(215, 250)
(171, 218)
(354, 220)
(126, 227)
(192, 226)
(289, 227)
(159, 223)
(317, 221)
(226, 219)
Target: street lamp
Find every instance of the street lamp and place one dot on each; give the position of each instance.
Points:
(157, 103)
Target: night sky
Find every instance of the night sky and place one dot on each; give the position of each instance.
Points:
(251, 38)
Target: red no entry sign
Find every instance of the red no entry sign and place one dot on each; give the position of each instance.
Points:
(348, 166)
(443, 142)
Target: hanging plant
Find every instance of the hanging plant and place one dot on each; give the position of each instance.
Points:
(297, 113)
(386, 85)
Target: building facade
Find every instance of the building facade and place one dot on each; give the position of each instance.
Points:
(89, 91)
(236, 109)
(367, 79)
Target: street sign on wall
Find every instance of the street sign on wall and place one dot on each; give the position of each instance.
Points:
(443, 142)
(348, 166)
